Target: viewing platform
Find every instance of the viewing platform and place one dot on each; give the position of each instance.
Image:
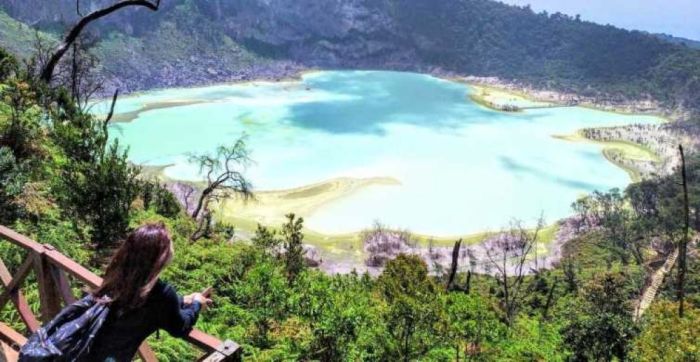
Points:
(55, 274)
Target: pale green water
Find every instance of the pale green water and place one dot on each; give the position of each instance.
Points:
(462, 168)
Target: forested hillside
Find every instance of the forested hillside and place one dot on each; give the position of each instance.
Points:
(190, 42)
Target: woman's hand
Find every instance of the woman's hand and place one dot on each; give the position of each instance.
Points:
(197, 297)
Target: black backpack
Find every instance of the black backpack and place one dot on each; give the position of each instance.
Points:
(67, 337)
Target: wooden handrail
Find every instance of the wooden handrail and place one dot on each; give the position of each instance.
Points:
(50, 266)
(11, 337)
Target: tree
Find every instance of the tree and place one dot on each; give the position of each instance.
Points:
(267, 240)
(344, 314)
(600, 326)
(666, 336)
(473, 324)
(223, 177)
(100, 193)
(158, 197)
(47, 70)
(12, 180)
(532, 339)
(223, 174)
(23, 131)
(78, 75)
(293, 247)
(656, 204)
(412, 298)
(509, 253)
(683, 247)
(454, 267)
(262, 291)
(8, 65)
(616, 220)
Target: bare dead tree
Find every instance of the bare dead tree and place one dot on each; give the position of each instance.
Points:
(383, 244)
(454, 266)
(77, 74)
(508, 253)
(683, 247)
(186, 198)
(105, 123)
(41, 53)
(49, 67)
(111, 109)
(223, 172)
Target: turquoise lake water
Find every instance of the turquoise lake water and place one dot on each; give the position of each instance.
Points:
(463, 168)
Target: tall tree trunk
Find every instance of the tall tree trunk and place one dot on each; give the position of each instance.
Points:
(203, 227)
(683, 247)
(200, 203)
(454, 266)
(506, 298)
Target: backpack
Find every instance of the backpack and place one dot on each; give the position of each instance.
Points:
(70, 334)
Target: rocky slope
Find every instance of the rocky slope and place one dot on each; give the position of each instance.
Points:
(193, 42)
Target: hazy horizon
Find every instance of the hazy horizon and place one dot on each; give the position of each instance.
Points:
(674, 17)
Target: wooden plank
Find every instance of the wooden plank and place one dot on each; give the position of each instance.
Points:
(8, 354)
(78, 271)
(49, 297)
(20, 240)
(11, 337)
(13, 285)
(19, 301)
(228, 351)
(61, 281)
(146, 353)
(203, 341)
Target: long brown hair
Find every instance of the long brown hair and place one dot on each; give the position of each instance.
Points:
(134, 268)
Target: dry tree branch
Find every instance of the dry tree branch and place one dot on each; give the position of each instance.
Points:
(74, 33)
(111, 107)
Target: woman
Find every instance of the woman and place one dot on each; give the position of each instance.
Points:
(141, 303)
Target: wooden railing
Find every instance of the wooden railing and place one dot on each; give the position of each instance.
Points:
(53, 272)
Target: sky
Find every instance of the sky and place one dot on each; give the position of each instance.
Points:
(676, 17)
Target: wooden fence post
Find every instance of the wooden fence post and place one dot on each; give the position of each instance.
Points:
(49, 295)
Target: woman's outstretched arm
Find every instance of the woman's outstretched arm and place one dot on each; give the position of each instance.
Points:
(178, 318)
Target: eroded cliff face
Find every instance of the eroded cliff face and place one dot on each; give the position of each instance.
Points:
(315, 30)
(193, 42)
(56, 12)
(333, 32)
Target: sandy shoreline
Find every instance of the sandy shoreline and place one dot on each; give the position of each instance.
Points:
(625, 147)
(270, 207)
(504, 89)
